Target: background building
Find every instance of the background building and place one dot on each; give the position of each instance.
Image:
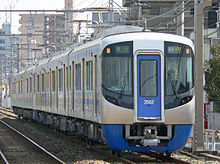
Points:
(43, 34)
(170, 16)
(8, 59)
(162, 15)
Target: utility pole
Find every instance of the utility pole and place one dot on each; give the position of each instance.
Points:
(110, 13)
(139, 12)
(198, 141)
(180, 20)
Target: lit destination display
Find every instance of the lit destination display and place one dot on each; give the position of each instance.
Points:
(174, 49)
(122, 49)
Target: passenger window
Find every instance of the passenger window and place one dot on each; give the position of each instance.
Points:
(89, 75)
(27, 86)
(53, 81)
(38, 83)
(60, 79)
(42, 86)
(70, 77)
(21, 86)
(31, 84)
(67, 78)
(78, 77)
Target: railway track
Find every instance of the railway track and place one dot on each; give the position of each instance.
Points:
(3, 160)
(7, 112)
(17, 148)
(126, 157)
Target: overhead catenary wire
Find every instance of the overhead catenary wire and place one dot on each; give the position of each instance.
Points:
(161, 15)
(170, 19)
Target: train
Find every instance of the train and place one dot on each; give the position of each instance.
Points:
(128, 87)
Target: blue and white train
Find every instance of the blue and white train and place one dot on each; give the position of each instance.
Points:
(131, 88)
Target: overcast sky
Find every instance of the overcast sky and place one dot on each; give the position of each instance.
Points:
(43, 4)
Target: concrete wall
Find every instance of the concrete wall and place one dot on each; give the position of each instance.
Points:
(214, 120)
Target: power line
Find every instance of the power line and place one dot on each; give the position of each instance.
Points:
(59, 11)
(170, 19)
(161, 15)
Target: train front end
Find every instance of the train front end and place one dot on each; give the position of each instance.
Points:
(147, 91)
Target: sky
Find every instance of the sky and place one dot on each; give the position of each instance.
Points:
(40, 5)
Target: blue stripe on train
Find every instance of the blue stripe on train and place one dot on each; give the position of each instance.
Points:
(36, 115)
(114, 137)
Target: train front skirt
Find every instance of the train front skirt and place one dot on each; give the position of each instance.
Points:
(115, 139)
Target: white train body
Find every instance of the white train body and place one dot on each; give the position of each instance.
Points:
(98, 89)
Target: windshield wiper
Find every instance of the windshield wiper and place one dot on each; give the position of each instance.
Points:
(172, 86)
(124, 85)
(144, 82)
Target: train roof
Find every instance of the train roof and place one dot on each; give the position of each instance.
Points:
(119, 30)
(126, 34)
(112, 35)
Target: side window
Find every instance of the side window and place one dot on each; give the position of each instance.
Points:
(89, 75)
(34, 82)
(70, 77)
(21, 86)
(60, 79)
(31, 84)
(27, 85)
(42, 86)
(78, 76)
(53, 81)
(67, 78)
(38, 83)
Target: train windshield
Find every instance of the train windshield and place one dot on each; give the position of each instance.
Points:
(179, 73)
(117, 74)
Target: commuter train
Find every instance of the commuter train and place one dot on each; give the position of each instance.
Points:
(128, 87)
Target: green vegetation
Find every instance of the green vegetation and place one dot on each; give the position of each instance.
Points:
(212, 77)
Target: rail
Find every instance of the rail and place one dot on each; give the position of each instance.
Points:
(3, 158)
(34, 143)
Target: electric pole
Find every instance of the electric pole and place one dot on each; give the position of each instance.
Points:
(110, 14)
(180, 20)
(198, 141)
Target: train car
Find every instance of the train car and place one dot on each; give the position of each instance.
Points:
(130, 88)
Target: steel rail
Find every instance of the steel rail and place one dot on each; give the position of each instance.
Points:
(5, 111)
(3, 158)
(34, 143)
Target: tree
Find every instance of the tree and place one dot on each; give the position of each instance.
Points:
(212, 75)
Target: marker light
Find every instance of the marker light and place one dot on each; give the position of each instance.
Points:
(108, 50)
(187, 51)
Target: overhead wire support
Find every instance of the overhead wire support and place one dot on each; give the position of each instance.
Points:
(166, 13)
(61, 11)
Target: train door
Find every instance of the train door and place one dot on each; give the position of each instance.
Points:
(95, 85)
(72, 87)
(148, 102)
(50, 91)
(56, 89)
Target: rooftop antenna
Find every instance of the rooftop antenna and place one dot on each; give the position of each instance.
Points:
(10, 15)
(6, 16)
